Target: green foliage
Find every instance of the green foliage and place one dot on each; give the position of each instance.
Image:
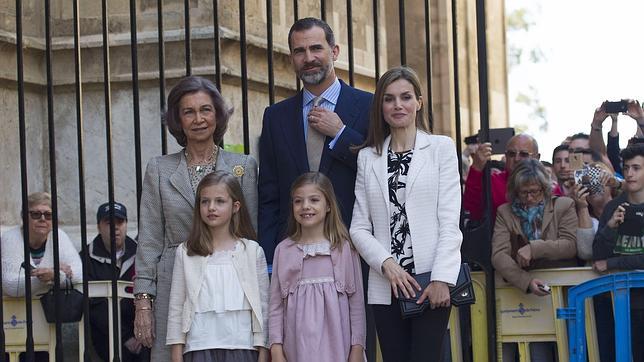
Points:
(519, 19)
(235, 148)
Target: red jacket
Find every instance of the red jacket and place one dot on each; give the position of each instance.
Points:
(473, 195)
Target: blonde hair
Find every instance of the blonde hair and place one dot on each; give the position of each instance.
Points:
(200, 240)
(334, 229)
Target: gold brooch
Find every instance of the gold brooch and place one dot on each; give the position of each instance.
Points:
(238, 170)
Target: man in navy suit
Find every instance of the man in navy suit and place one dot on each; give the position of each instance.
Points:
(311, 131)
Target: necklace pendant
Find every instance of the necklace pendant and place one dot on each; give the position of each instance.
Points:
(199, 169)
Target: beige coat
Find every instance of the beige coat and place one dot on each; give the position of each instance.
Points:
(557, 248)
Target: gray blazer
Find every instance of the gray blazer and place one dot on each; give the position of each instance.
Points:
(167, 202)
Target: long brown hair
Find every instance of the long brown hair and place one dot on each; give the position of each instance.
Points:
(378, 128)
(334, 229)
(200, 240)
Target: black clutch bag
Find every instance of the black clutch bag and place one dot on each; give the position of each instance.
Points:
(461, 294)
(70, 301)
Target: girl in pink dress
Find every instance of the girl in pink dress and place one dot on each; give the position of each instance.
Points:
(316, 308)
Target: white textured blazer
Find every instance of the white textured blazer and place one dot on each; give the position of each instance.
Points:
(433, 204)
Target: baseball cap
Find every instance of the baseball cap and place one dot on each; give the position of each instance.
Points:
(120, 212)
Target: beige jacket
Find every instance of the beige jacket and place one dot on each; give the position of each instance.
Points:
(557, 248)
(187, 277)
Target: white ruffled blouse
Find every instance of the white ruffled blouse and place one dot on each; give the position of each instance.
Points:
(223, 315)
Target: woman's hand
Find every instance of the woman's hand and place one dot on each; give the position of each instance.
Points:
(618, 216)
(67, 269)
(277, 353)
(144, 322)
(45, 275)
(534, 287)
(356, 354)
(524, 256)
(262, 354)
(399, 278)
(579, 194)
(438, 294)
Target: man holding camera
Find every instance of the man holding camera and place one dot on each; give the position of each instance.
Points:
(518, 148)
(619, 242)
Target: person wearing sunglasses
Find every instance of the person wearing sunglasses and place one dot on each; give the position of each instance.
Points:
(41, 256)
(519, 147)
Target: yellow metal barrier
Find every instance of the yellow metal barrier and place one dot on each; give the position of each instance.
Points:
(15, 328)
(523, 318)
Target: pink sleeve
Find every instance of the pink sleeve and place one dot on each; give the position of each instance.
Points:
(275, 306)
(356, 304)
(473, 196)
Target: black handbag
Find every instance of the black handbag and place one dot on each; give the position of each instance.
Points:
(461, 294)
(70, 301)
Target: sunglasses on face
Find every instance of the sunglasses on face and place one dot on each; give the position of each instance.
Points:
(36, 215)
(513, 154)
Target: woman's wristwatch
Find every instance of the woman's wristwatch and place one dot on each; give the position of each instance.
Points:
(144, 296)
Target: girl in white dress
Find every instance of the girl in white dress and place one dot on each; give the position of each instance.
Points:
(219, 294)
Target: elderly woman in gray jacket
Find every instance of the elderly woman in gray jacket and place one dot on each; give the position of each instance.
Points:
(197, 117)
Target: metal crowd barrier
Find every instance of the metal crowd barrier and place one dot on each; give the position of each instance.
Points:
(44, 334)
(524, 318)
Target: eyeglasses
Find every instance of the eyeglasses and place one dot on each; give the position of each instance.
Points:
(513, 154)
(36, 215)
(533, 193)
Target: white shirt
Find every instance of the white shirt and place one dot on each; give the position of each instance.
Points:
(223, 316)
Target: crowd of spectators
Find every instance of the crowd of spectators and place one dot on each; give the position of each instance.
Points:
(586, 207)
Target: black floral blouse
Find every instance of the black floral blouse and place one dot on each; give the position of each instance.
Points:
(397, 170)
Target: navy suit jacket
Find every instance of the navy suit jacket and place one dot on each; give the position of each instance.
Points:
(282, 158)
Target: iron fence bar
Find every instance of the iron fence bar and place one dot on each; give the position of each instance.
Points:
(269, 51)
(296, 16)
(244, 74)
(457, 98)
(81, 175)
(428, 63)
(51, 131)
(2, 336)
(401, 25)
(22, 130)
(161, 49)
(110, 174)
(323, 10)
(135, 103)
(186, 21)
(350, 42)
(485, 126)
(215, 15)
(376, 50)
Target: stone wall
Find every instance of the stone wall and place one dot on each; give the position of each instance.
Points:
(202, 34)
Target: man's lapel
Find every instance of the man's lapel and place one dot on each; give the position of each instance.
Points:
(291, 125)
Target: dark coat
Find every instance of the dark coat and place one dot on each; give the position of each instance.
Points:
(282, 158)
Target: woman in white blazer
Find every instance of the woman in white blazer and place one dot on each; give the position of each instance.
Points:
(406, 218)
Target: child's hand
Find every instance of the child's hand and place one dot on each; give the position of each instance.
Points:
(263, 354)
(356, 354)
(277, 353)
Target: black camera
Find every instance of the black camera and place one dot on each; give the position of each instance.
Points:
(616, 107)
